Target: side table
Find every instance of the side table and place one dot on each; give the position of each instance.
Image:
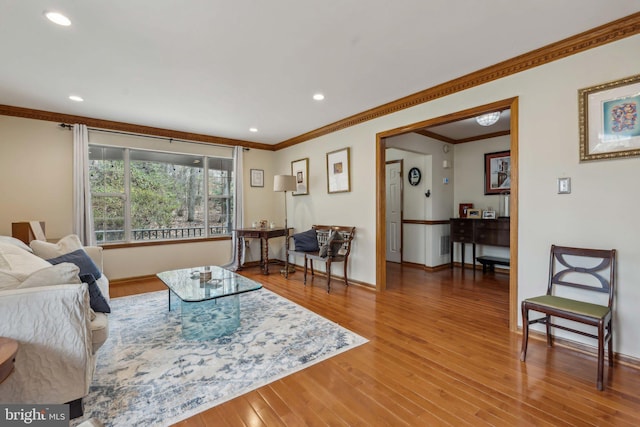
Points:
(264, 234)
(8, 350)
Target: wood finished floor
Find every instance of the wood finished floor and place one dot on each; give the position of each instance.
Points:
(439, 353)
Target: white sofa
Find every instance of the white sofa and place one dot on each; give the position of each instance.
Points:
(57, 331)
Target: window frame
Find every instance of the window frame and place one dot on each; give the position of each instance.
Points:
(128, 240)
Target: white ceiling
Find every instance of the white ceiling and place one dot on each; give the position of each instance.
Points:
(220, 67)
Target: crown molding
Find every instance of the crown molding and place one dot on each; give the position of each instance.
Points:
(596, 37)
(28, 113)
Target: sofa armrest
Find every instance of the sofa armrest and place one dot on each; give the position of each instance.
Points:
(55, 362)
(95, 253)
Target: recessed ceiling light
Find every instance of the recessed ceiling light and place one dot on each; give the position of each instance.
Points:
(58, 18)
(318, 97)
(253, 129)
(76, 98)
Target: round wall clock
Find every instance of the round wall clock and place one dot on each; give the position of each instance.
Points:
(414, 176)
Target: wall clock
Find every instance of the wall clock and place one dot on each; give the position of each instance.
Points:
(414, 176)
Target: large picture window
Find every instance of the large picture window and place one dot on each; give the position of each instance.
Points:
(143, 195)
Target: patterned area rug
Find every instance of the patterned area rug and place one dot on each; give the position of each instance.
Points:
(149, 375)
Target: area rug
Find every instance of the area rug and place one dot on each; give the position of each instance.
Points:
(149, 375)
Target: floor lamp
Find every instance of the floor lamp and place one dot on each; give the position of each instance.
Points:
(284, 183)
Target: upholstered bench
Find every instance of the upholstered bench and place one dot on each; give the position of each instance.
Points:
(325, 243)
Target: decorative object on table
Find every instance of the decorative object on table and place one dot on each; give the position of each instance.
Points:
(488, 214)
(608, 120)
(414, 176)
(497, 172)
(473, 213)
(300, 169)
(284, 183)
(147, 374)
(257, 178)
(505, 208)
(263, 222)
(338, 171)
(463, 209)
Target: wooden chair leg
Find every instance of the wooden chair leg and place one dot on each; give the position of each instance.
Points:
(305, 270)
(549, 336)
(610, 344)
(346, 281)
(525, 332)
(601, 344)
(328, 267)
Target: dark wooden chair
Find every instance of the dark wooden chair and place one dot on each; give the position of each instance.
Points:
(587, 270)
(336, 252)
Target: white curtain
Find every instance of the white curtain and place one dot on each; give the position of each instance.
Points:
(238, 218)
(82, 214)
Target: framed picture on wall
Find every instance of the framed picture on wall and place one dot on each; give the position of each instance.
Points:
(338, 171)
(300, 169)
(497, 172)
(257, 177)
(608, 120)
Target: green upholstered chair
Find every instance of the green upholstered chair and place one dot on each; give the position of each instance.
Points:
(585, 269)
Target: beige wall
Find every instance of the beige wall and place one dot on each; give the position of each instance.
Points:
(36, 183)
(600, 212)
(35, 174)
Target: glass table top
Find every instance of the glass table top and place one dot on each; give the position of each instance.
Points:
(188, 286)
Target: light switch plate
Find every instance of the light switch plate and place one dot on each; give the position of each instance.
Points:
(564, 185)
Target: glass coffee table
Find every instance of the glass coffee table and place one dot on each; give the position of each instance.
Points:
(208, 299)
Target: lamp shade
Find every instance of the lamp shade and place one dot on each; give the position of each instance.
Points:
(284, 183)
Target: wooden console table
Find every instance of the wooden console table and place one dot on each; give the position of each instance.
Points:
(264, 234)
(491, 232)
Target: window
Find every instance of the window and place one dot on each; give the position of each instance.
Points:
(144, 195)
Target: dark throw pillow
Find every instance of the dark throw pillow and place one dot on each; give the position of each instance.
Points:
(82, 260)
(97, 301)
(307, 241)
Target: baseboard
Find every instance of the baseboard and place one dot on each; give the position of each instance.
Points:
(364, 285)
(129, 280)
(425, 267)
(587, 349)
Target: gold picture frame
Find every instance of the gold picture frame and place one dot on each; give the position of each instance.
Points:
(339, 171)
(608, 120)
(474, 213)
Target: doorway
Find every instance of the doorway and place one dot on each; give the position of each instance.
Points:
(381, 138)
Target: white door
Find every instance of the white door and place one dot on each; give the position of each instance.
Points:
(394, 211)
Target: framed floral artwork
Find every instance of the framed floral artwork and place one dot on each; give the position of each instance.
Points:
(608, 120)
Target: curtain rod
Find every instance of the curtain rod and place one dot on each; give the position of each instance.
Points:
(70, 127)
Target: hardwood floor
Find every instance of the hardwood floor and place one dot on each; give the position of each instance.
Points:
(439, 353)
